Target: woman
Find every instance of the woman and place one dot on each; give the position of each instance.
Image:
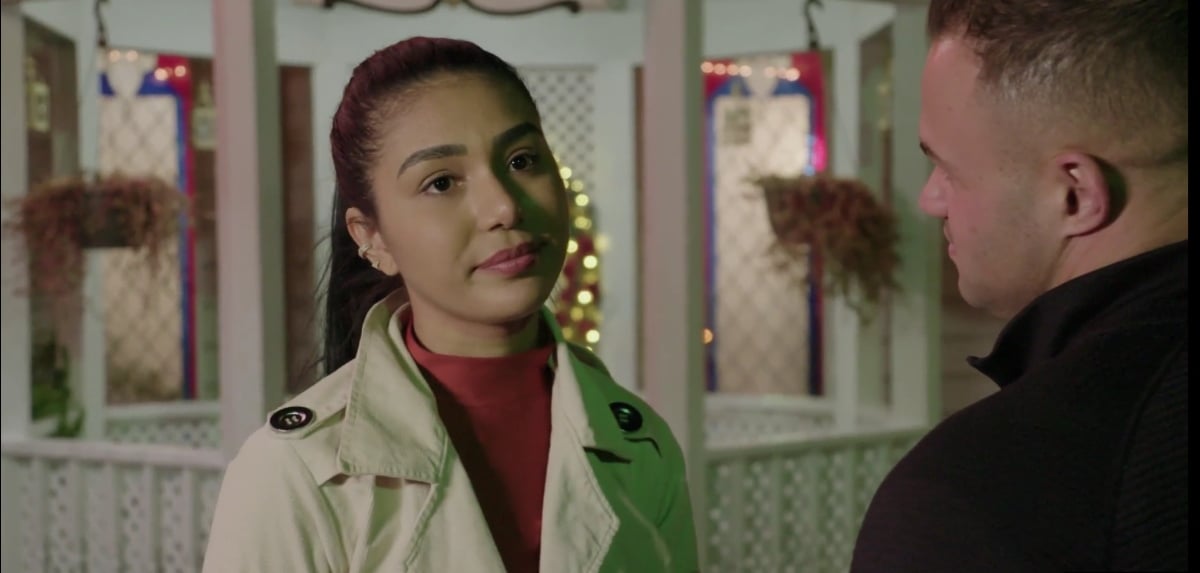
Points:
(456, 431)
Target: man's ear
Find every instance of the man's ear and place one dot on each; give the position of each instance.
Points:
(365, 233)
(1087, 201)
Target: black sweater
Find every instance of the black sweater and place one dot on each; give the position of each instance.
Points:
(1079, 462)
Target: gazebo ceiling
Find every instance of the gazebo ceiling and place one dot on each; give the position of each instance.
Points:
(493, 7)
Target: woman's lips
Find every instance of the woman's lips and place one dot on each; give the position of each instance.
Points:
(512, 261)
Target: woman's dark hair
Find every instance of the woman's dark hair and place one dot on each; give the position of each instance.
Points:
(375, 87)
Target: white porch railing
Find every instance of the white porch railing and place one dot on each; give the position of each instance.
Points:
(101, 507)
(191, 424)
(795, 503)
(786, 488)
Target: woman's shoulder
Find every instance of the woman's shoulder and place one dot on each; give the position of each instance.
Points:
(633, 415)
(304, 430)
(272, 513)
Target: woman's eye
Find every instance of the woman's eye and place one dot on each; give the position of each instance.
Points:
(522, 162)
(441, 184)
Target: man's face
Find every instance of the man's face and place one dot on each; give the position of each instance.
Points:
(998, 216)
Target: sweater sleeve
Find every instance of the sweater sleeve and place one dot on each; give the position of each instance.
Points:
(1150, 525)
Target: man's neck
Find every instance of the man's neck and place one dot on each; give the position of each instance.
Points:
(1132, 234)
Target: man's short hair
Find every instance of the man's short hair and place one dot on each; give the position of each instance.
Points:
(1114, 67)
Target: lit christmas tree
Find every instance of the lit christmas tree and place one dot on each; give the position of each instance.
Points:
(576, 297)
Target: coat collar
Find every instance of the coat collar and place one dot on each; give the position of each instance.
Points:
(391, 426)
(1145, 288)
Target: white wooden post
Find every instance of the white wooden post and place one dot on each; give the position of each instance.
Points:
(15, 375)
(842, 362)
(673, 201)
(916, 319)
(615, 200)
(15, 343)
(90, 365)
(842, 330)
(249, 216)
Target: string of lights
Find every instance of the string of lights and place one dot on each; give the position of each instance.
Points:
(576, 296)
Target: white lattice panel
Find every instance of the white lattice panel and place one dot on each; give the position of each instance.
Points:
(100, 516)
(750, 425)
(143, 325)
(762, 316)
(564, 96)
(209, 488)
(798, 511)
(194, 433)
(64, 494)
(82, 514)
(177, 492)
(33, 511)
(732, 420)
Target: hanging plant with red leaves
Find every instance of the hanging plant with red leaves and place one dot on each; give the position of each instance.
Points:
(855, 235)
(61, 218)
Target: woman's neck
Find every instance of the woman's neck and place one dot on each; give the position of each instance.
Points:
(443, 333)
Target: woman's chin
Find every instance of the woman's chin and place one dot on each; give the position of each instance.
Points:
(512, 302)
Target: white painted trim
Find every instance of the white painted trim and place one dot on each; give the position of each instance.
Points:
(784, 445)
(800, 404)
(107, 452)
(164, 411)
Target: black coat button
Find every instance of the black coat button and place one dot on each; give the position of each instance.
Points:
(291, 418)
(628, 418)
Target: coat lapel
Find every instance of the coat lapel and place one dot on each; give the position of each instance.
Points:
(578, 523)
(391, 430)
(393, 435)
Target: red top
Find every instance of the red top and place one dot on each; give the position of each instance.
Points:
(497, 413)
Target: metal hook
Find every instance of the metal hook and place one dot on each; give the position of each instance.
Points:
(101, 29)
(814, 41)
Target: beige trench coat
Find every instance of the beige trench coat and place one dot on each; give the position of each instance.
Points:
(357, 474)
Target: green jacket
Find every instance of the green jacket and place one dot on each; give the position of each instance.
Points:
(357, 474)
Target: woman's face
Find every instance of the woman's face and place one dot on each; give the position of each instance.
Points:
(469, 206)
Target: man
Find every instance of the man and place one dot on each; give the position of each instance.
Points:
(1057, 130)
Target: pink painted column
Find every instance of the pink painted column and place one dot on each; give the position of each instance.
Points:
(672, 290)
(249, 217)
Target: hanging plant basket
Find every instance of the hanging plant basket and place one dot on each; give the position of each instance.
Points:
(61, 218)
(102, 226)
(841, 221)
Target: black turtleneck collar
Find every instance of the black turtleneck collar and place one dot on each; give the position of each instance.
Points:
(1146, 288)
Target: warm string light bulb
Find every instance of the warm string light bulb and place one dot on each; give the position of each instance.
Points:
(790, 74)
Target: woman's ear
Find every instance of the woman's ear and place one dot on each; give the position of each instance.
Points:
(370, 243)
(1087, 197)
